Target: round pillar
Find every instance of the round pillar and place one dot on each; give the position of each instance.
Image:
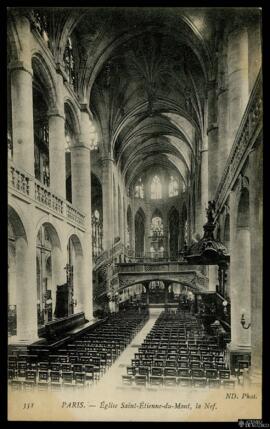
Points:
(22, 99)
(22, 116)
(239, 347)
(107, 190)
(256, 269)
(57, 153)
(240, 276)
(204, 188)
(81, 196)
(27, 324)
(166, 290)
(212, 133)
(238, 90)
(147, 294)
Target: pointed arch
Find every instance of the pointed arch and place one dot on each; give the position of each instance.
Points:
(45, 75)
(157, 213)
(71, 118)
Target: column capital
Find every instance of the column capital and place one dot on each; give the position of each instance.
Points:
(55, 112)
(104, 160)
(85, 109)
(204, 149)
(212, 127)
(80, 145)
(20, 65)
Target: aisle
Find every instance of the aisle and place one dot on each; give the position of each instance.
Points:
(113, 376)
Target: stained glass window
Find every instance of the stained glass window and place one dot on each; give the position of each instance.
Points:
(70, 63)
(157, 227)
(68, 139)
(139, 189)
(156, 189)
(40, 23)
(173, 187)
(96, 234)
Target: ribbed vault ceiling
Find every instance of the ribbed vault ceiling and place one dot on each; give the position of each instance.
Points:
(149, 102)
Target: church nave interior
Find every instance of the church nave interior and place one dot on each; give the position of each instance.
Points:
(135, 198)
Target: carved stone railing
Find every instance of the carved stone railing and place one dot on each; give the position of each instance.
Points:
(34, 190)
(248, 131)
(44, 196)
(74, 214)
(19, 180)
(117, 248)
(101, 258)
(108, 255)
(155, 267)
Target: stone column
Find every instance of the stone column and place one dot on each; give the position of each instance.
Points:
(239, 348)
(238, 90)
(204, 188)
(223, 131)
(256, 219)
(107, 192)
(222, 105)
(81, 197)
(22, 116)
(22, 100)
(27, 324)
(57, 153)
(147, 293)
(124, 219)
(133, 230)
(166, 290)
(195, 303)
(212, 133)
(115, 208)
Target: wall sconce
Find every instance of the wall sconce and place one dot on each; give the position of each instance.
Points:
(243, 321)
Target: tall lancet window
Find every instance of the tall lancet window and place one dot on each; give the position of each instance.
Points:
(139, 189)
(157, 236)
(70, 63)
(96, 234)
(156, 189)
(173, 187)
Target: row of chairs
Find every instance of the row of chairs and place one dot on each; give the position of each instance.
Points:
(170, 355)
(179, 364)
(82, 362)
(223, 374)
(167, 381)
(54, 380)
